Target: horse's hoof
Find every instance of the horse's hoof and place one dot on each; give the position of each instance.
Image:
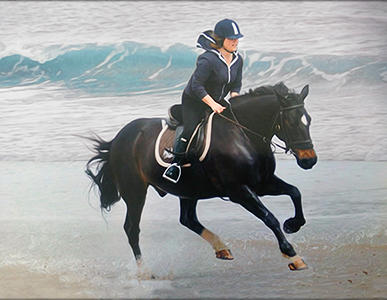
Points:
(292, 225)
(224, 254)
(298, 265)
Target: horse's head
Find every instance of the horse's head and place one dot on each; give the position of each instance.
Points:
(292, 125)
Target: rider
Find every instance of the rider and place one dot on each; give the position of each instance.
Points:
(218, 72)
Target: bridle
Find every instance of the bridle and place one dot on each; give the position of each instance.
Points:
(285, 129)
(276, 126)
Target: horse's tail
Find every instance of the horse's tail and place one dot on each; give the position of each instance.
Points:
(104, 178)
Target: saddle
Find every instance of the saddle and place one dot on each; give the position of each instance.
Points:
(171, 129)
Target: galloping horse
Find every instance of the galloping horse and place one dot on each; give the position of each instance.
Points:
(239, 165)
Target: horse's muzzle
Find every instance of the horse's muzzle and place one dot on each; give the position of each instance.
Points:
(306, 158)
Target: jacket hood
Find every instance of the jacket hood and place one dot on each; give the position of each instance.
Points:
(205, 40)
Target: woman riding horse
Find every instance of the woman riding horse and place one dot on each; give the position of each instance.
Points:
(240, 165)
(218, 72)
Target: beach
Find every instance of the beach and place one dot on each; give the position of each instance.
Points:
(59, 245)
(71, 70)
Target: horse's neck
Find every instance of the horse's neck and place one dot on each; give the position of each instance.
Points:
(257, 114)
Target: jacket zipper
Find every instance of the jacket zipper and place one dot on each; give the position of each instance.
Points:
(229, 71)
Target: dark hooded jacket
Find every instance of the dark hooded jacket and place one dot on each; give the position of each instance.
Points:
(212, 74)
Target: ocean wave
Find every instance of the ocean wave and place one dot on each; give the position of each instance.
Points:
(132, 68)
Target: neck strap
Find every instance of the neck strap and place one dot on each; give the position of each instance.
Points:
(227, 50)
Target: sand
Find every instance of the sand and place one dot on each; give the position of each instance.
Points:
(56, 244)
(18, 281)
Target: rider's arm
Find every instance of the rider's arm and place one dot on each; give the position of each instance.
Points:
(200, 77)
(215, 106)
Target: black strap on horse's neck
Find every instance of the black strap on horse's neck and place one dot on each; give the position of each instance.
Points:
(278, 116)
(264, 139)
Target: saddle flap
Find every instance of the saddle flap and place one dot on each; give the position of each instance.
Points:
(165, 142)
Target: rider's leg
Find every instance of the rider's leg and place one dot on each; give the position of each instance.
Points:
(192, 112)
(173, 172)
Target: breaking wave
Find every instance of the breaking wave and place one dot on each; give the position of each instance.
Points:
(132, 68)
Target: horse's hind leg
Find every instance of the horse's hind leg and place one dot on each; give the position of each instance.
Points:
(134, 193)
(133, 190)
(132, 224)
(189, 219)
(250, 201)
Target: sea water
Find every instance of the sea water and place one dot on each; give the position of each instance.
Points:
(71, 69)
(68, 68)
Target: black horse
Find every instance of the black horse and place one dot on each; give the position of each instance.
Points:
(240, 165)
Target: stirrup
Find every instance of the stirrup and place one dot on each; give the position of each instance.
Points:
(168, 176)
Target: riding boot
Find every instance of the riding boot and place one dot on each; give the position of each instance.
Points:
(173, 172)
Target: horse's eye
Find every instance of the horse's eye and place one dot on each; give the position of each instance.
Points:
(278, 127)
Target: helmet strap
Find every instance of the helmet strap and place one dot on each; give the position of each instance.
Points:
(227, 50)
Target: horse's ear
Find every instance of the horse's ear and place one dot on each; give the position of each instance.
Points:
(304, 92)
(281, 98)
(281, 88)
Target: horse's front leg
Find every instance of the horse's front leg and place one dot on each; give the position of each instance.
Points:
(244, 196)
(189, 219)
(276, 186)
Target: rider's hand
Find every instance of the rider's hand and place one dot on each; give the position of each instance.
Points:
(218, 108)
(215, 106)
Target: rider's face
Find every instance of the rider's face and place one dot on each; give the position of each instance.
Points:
(230, 44)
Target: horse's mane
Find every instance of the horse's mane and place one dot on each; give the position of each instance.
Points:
(279, 88)
(268, 90)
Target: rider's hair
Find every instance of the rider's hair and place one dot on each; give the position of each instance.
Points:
(219, 41)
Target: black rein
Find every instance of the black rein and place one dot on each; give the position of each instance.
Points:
(265, 139)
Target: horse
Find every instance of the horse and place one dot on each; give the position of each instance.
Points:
(239, 165)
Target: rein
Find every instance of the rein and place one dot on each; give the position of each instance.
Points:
(264, 139)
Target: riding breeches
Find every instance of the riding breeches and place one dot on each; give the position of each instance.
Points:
(193, 112)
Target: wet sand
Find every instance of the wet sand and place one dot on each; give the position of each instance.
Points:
(20, 282)
(55, 243)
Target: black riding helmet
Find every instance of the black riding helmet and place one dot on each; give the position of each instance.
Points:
(227, 29)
